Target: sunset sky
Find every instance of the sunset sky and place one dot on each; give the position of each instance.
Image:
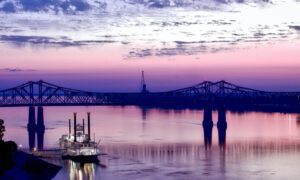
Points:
(104, 46)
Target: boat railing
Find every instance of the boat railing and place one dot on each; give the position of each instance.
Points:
(75, 145)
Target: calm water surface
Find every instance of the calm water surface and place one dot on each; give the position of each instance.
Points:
(169, 144)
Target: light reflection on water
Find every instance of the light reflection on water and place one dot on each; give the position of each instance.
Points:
(80, 171)
(170, 144)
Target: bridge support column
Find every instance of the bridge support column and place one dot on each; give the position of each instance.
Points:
(207, 126)
(31, 128)
(40, 128)
(222, 127)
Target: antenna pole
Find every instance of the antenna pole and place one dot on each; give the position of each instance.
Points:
(143, 83)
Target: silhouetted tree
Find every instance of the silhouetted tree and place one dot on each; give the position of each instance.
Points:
(2, 129)
(7, 151)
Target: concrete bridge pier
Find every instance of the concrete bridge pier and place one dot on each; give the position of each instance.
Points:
(207, 126)
(34, 128)
(40, 128)
(222, 127)
(31, 128)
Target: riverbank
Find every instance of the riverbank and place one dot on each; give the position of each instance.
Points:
(27, 166)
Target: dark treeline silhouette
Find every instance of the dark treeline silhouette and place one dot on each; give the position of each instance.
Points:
(16, 164)
(7, 151)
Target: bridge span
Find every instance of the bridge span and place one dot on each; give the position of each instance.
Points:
(42, 93)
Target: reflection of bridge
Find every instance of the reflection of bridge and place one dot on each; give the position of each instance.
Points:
(36, 130)
(215, 93)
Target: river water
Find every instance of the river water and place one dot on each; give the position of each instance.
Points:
(139, 143)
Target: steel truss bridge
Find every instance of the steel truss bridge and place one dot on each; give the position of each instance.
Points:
(42, 93)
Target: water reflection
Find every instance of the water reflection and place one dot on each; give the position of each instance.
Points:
(80, 171)
(298, 120)
(144, 112)
(222, 127)
(191, 160)
(184, 152)
(174, 144)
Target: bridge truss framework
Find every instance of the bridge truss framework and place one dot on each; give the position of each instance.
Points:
(42, 93)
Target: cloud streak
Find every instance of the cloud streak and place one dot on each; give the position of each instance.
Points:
(16, 70)
(79, 6)
(65, 6)
(49, 41)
